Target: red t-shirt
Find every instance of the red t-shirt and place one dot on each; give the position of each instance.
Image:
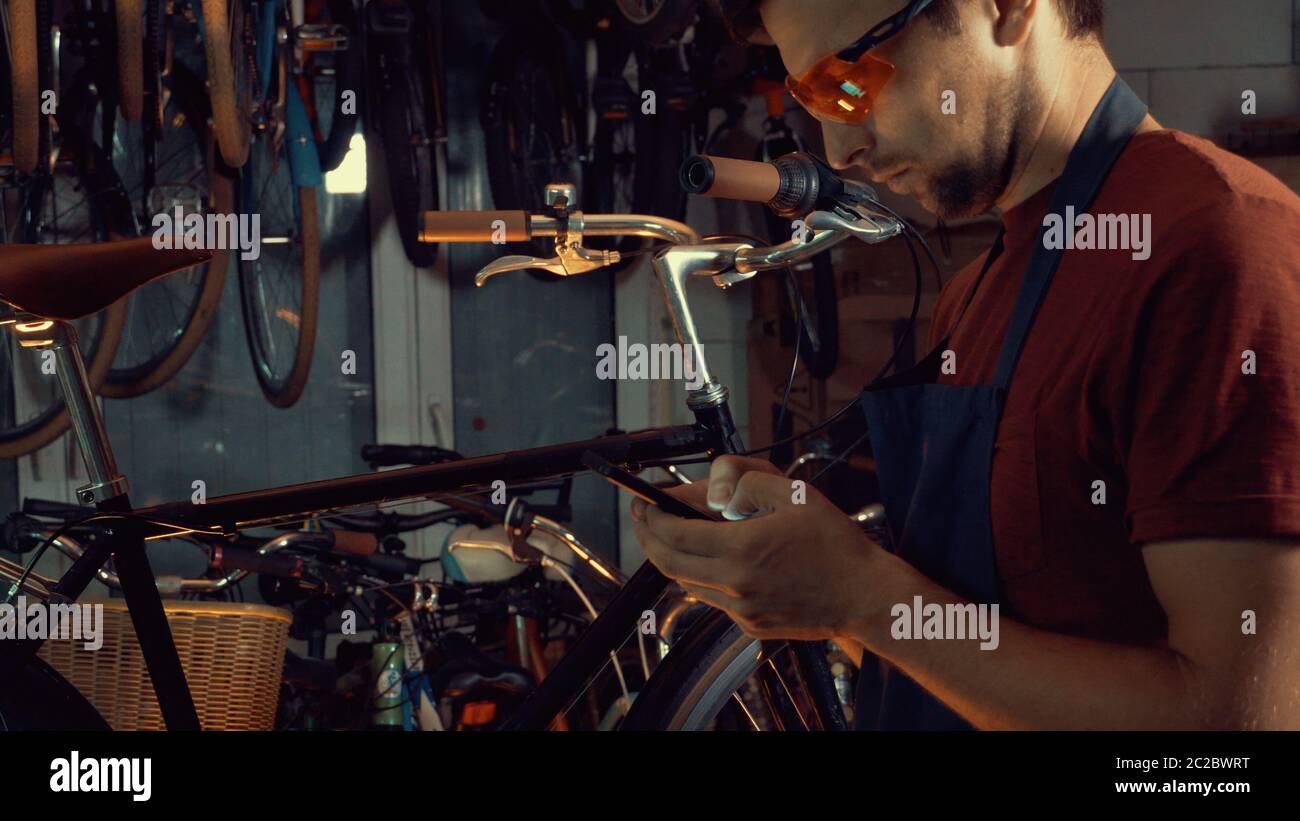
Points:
(1133, 375)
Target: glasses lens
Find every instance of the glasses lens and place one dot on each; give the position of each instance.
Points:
(839, 90)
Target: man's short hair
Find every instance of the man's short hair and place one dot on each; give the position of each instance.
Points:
(1083, 18)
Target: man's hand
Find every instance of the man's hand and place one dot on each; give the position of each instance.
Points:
(792, 569)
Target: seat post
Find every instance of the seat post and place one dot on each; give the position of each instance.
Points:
(107, 490)
(83, 410)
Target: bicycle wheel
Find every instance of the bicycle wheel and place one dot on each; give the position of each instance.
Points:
(130, 59)
(530, 126)
(57, 209)
(611, 176)
(408, 129)
(665, 143)
(717, 678)
(168, 318)
(36, 697)
(349, 74)
(280, 290)
(231, 76)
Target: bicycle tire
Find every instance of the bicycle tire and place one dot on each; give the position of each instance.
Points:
(124, 383)
(667, 135)
(223, 47)
(410, 155)
(284, 391)
(155, 61)
(25, 84)
(37, 697)
(610, 178)
(53, 421)
(350, 74)
(697, 677)
(130, 59)
(704, 668)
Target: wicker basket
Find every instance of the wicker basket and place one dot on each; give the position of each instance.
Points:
(233, 655)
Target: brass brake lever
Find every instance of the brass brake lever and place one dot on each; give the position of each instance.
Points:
(570, 261)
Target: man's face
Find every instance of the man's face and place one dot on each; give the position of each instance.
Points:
(947, 127)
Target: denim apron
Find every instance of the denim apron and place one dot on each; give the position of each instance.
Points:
(933, 443)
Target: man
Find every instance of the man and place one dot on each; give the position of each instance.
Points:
(1139, 497)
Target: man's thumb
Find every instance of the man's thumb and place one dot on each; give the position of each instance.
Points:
(758, 493)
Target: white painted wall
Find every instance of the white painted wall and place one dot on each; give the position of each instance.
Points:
(1192, 59)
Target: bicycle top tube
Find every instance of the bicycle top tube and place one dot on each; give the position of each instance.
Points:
(293, 503)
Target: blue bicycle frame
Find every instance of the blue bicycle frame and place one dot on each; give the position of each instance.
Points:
(299, 139)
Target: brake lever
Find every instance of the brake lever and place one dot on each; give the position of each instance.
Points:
(517, 262)
(852, 212)
(855, 219)
(570, 261)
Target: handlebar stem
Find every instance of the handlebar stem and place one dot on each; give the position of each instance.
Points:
(674, 267)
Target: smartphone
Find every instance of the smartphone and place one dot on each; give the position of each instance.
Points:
(643, 489)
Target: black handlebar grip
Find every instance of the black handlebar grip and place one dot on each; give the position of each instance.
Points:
(20, 534)
(54, 510)
(387, 563)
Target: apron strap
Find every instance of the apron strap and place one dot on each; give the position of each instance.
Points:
(1104, 138)
(926, 370)
(994, 253)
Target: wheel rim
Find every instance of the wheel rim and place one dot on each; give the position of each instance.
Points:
(700, 711)
(271, 286)
(745, 686)
(161, 311)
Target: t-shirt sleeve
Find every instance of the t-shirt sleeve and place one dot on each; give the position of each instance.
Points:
(1212, 443)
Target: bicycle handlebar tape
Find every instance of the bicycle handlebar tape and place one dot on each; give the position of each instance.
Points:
(791, 185)
(474, 226)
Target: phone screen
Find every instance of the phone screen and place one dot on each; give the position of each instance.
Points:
(643, 489)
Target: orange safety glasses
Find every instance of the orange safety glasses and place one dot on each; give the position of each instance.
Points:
(843, 86)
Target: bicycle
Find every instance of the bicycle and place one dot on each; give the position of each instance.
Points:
(152, 142)
(253, 50)
(476, 641)
(835, 210)
(403, 49)
(551, 113)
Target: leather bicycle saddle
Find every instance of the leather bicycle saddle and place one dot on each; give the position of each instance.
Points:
(71, 281)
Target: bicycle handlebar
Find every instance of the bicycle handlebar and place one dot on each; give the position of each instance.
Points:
(800, 185)
(500, 227)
